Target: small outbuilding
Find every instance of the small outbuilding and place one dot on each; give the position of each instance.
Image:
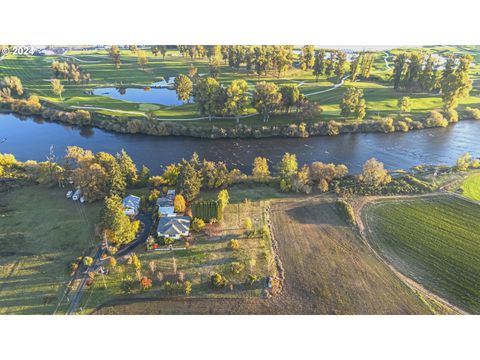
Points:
(173, 227)
(131, 204)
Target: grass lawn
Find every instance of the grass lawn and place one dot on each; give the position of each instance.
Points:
(433, 240)
(205, 256)
(471, 187)
(41, 232)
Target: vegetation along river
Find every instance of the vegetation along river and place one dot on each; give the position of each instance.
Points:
(29, 138)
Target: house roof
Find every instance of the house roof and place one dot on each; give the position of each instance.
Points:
(131, 202)
(173, 226)
(164, 202)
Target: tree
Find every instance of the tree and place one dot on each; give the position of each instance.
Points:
(374, 174)
(190, 178)
(234, 245)
(463, 162)
(163, 50)
(118, 227)
(353, 104)
(144, 175)
(142, 59)
(179, 204)
(456, 83)
(287, 169)
(237, 98)
(404, 104)
(223, 198)
(14, 84)
(127, 167)
(248, 225)
(205, 93)
(115, 55)
(319, 64)
(183, 86)
(266, 99)
(57, 88)
(87, 261)
(341, 63)
(307, 57)
(290, 96)
(260, 169)
(198, 224)
(399, 68)
(133, 48)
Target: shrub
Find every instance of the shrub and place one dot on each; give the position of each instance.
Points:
(136, 262)
(234, 245)
(145, 283)
(173, 289)
(471, 113)
(198, 225)
(127, 285)
(251, 279)
(236, 267)
(168, 241)
(187, 287)
(112, 262)
(436, 119)
(87, 261)
(347, 210)
(218, 281)
(451, 116)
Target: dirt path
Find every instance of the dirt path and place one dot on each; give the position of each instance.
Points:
(364, 230)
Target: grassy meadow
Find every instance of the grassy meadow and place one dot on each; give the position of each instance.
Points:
(41, 233)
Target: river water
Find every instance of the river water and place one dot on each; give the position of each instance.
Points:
(31, 139)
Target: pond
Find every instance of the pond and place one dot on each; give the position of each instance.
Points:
(148, 95)
(31, 138)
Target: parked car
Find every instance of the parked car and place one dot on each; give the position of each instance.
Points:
(69, 194)
(77, 195)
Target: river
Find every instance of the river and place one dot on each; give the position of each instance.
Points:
(29, 138)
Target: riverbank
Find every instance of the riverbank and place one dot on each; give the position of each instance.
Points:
(155, 127)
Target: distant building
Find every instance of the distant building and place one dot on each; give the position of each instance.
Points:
(173, 227)
(131, 204)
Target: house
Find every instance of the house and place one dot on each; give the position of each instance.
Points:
(165, 204)
(173, 226)
(131, 204)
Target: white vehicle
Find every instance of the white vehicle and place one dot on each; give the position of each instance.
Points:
(69, 194)
(77, 195)
(82, 199)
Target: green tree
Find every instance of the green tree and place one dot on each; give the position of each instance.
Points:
(14, 84)
(307, 57)
(117, 226)
(115, 55)
(290, 96)
(205, 93)
(127, 167)
(404, 104)
(57, 88)
(319, 64)
(183, 87)
(142, 59)
(287, 169)
(353, 103)
(374, 174)
(266, 99)
(190, 178)
(237, 98)
(260, 169)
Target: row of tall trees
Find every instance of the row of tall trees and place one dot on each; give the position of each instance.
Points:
(213, 99)
(416, 71)
(259, 59)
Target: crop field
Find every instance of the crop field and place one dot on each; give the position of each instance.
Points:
(41, 232)
(471, 187)
(433, 240)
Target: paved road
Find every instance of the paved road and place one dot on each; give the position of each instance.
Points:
(146, 219)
